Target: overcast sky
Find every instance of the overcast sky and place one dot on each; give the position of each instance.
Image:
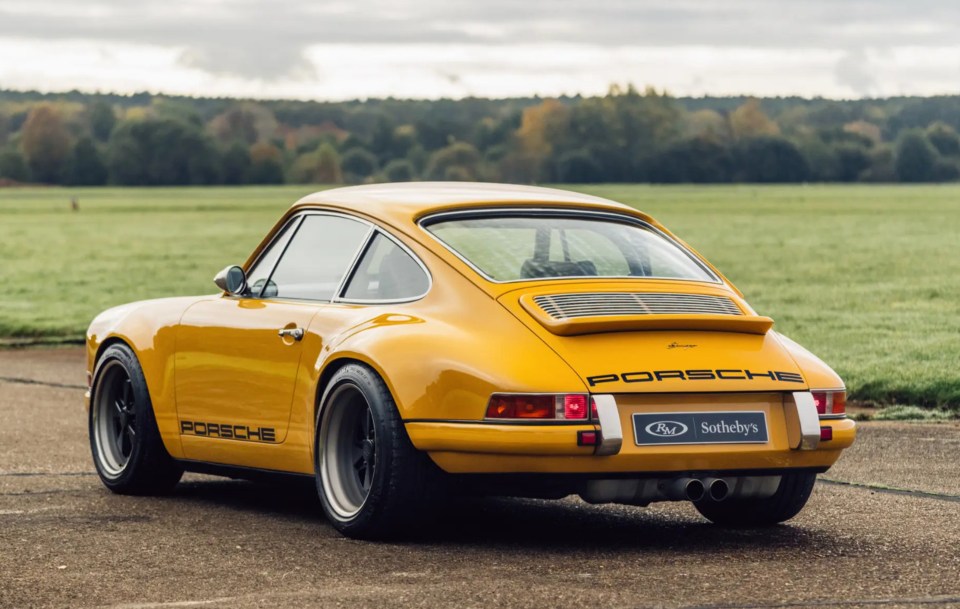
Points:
(331, 49)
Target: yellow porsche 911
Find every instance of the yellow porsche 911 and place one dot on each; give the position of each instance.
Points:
(403, 342)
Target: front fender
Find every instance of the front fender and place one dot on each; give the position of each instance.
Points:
(148, 328)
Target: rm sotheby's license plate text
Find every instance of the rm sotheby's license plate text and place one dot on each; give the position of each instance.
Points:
(700, 428)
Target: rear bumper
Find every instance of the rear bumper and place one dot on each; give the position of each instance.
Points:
(482, 447)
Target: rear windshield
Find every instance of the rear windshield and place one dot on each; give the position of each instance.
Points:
(514, 247)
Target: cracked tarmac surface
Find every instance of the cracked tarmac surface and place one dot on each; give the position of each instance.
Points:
(864, 540)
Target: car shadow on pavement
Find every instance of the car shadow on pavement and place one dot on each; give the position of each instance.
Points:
(291, 497)
(548, 526)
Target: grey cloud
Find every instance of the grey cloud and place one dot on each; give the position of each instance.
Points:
(279, 60)
(855, 70)
(267, 39)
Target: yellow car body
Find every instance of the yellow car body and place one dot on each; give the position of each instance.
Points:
(228, 388)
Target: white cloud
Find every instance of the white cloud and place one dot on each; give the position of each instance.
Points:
(430, 48)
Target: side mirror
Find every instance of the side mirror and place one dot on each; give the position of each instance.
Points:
(232, 280)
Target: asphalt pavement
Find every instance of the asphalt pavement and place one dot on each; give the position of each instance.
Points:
(881, 530)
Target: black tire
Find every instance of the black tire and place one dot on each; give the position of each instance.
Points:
(127, 449)
(395, 487)
(791, 496)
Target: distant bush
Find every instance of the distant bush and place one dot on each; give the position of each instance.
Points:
(626, 135)
(358, 164)
(913, 413)
(399, 170)
(13, 166)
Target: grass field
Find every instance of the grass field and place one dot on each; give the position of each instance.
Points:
(867, 277)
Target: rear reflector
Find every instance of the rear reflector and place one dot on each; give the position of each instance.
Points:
(587, 438)
(826, 434)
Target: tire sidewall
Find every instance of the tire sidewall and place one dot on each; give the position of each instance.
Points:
(122, 355)
(789, 499)
(366, 382)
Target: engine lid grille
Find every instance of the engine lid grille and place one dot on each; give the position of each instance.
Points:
(569, 306)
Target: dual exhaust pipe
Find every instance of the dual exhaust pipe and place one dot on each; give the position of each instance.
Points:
(696, 489)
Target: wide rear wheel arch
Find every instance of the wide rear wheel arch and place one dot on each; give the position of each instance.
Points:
(371, 480)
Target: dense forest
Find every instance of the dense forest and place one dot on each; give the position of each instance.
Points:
(626, 135)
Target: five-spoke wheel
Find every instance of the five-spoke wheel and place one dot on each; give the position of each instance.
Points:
(372, 482)
(349, 445)
(127, 449)
(114, 419)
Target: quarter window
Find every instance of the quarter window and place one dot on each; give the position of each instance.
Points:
(317, 258)
(386, 272)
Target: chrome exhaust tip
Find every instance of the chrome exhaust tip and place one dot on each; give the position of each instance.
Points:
(682, 489)
(717, 488)
(694, 489)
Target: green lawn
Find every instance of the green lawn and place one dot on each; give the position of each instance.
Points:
(867, 277)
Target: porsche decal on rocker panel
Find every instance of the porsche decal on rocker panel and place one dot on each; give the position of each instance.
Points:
(225, 431)
(720, 374)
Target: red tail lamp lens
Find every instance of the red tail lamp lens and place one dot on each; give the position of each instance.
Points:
(820, 399)
(521, 407)
(826, 434)
(557, 406)
(839, 403)
(574, 407)
(830, 402)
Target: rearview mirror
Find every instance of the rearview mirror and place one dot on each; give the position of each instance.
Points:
(232, 280)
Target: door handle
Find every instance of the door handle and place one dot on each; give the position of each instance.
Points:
(294, 333)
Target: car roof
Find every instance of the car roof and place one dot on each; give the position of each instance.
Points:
(402, 205)
(407, 202)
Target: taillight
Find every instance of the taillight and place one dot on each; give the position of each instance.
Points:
(563, 407)
(574, 406)
(513, 406)
(830, 402)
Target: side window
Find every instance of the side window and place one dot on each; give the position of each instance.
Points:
(317, 258)
(262, 268)
(386, 272)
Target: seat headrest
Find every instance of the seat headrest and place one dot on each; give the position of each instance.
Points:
(533, 268)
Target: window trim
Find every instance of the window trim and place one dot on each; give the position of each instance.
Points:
(365, 243)
(340, 298)
(488, 212)
(294, 223)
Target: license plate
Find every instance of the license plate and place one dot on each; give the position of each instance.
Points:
(740, 427)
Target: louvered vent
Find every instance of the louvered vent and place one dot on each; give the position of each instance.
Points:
(566, 306)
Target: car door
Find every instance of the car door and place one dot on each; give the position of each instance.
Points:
(238, 356)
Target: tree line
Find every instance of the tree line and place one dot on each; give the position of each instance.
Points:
(626, 135)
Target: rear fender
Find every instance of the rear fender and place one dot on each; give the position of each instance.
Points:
(437, 365)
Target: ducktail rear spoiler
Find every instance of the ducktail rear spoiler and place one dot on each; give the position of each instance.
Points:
(593, 324)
